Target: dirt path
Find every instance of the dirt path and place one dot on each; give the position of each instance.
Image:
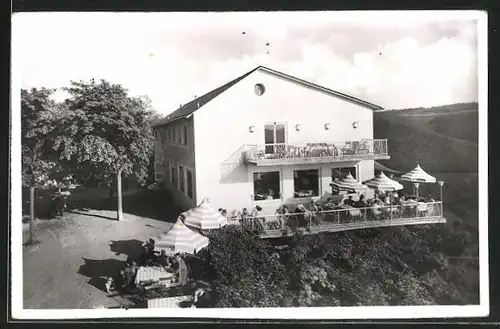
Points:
(63, 270)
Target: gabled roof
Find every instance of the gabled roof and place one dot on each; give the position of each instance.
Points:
(189, 108)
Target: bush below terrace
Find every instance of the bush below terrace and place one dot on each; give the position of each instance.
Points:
(391, 266)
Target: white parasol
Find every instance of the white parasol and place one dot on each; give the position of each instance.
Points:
(383, 183)
(180, 238)
(348, 184)
(417, 176)
(204, 217)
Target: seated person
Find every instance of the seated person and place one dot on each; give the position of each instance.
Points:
(313, 207)
(162, 260)
(361, 202)
(349, 202)
(401, 199)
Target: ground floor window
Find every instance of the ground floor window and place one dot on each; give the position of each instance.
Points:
(306, 183)
(189, 179)
(174, 174)
(266, 185)
(182, 187)
(341, 173)
(167, 170)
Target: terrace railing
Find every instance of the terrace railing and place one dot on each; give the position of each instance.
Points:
(345, 219)
(366, 148)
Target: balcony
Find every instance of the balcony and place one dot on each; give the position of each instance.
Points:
(326, 152)
(280, 225)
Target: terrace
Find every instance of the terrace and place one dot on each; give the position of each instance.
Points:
(347, 218)
(324, 152)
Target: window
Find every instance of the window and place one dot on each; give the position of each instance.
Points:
(182, 187)
(266, 185)
(341, 173)
(259, 89)
(274, 137)
(169, 170)
(171, 135)
(167, 134)
(174, 135)
(189, 179)
(173, 174)
(184, 134)
(306, 183)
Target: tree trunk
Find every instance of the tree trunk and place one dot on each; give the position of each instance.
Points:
(119, 192)
(32, 215)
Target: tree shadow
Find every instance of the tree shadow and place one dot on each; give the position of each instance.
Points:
(131, 248)
(90, 215)
(157, 205)
(97, 270)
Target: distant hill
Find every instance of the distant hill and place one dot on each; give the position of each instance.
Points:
(458, 107)
(442, 139)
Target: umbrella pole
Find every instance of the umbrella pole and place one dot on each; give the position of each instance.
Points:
(390, 209)
(441, 183)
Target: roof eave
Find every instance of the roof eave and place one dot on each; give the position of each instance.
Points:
(172, 120)
(343, 96)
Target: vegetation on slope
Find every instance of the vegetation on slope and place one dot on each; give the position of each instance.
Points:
(389, 266)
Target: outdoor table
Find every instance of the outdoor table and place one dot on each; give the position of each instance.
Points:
(149, 274)
(169, 302)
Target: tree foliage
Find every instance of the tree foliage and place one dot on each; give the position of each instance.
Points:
(245, 270)
(391, 266)
(39, 124)
(104, 130)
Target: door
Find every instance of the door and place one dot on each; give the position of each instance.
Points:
(275, 138)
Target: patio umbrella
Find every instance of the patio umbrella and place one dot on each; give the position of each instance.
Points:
(348, 184)
(417, 176)
(383, 183)
(180, 238)
(204, 217)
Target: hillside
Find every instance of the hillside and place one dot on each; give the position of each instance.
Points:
(439, 139)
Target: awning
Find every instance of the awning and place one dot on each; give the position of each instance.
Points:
(380, 167)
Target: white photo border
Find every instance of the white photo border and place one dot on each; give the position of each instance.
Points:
(313, 313)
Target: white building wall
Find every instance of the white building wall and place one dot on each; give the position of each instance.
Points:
(221, 127)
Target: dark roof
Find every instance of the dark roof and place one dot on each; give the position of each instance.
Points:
(197, 103)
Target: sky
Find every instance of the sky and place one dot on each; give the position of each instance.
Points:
(396, 60)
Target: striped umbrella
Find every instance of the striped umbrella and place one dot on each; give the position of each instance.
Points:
(348, 184)
(180, 238)
(383, 183)
(204, 217)
(418, 175)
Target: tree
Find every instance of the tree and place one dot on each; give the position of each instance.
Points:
(245, 270)
(105, 134)
(39, 116)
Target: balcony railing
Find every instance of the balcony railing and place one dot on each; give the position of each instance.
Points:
(344, 219)
(345, 150)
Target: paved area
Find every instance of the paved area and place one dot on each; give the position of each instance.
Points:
(63, 270)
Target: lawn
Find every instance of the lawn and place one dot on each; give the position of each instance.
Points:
(63, 269)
